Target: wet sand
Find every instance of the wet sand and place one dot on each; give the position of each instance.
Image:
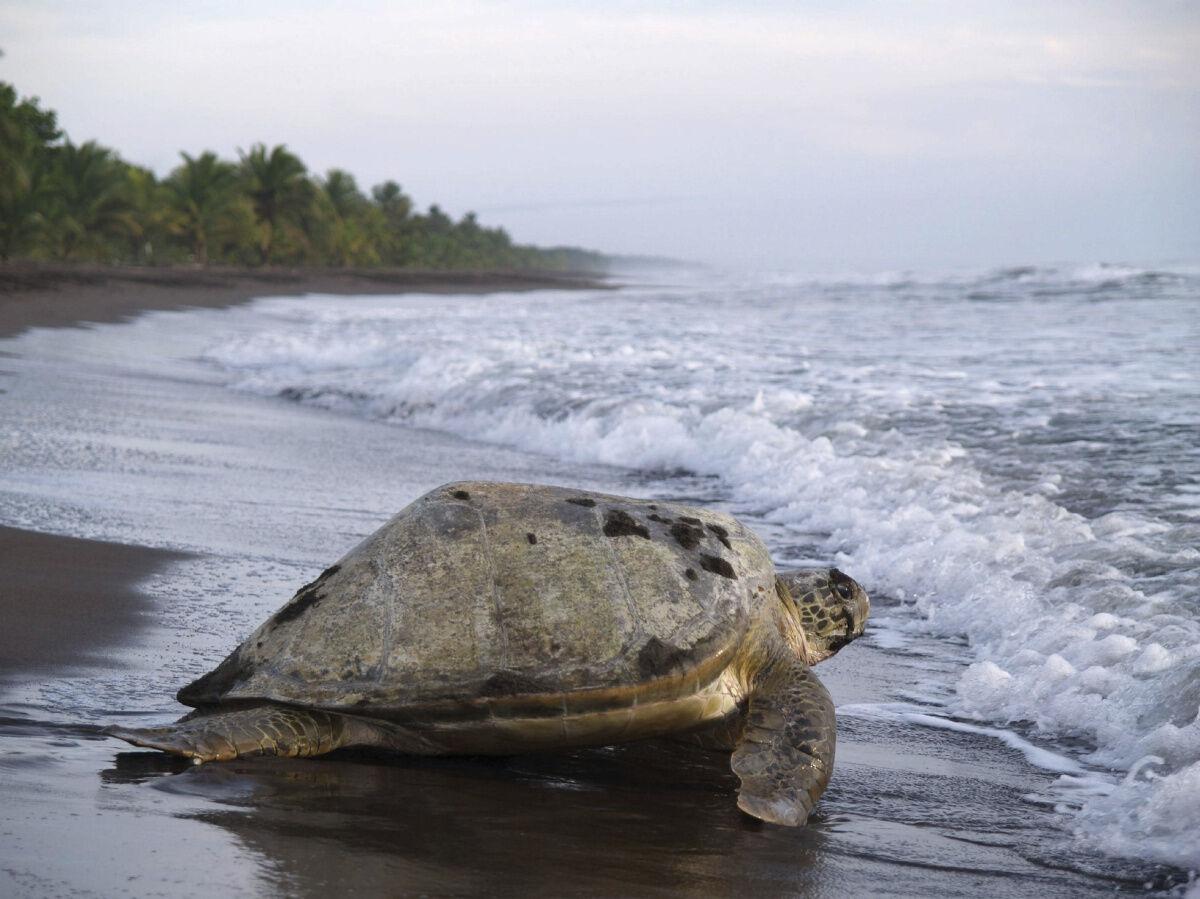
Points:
(911, 811)
(64, 601)
(36, 295)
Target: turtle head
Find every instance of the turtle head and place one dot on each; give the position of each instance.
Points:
(830, 607)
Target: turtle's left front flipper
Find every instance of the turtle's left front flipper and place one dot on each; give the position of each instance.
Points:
(260, 730)
(785, 756)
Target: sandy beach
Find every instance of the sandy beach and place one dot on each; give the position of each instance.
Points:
(214, 505)
(66, 600)
(47, 295)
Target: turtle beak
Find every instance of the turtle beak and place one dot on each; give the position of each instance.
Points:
(836, 643)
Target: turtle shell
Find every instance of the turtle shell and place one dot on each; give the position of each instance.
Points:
(479, 593)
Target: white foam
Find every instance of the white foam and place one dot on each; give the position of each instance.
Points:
(1037, 756)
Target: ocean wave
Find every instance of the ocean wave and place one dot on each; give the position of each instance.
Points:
(1083, 627)
(1008, 282)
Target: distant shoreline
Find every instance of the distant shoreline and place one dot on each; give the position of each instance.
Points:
(45, 295)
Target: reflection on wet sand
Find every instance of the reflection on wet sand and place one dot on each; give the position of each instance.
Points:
(645, 818)
(948, 817)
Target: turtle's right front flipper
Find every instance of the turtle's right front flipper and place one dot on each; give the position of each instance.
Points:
(785, 755)
(261, 730)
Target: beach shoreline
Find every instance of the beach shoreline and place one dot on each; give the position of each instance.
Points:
(61, 295)
(66, 600)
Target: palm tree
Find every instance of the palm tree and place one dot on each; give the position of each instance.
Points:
(393, 211)
(23, 197)
(26, 133)
(151, 211)
(201, 193)
(354, 226)
(392, 202)
(343, 193)
(88, 204)
(277, 184)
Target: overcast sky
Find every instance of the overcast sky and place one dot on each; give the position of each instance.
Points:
(821, 135)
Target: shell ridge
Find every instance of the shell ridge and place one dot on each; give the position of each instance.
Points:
(497, 604)
(389, 625)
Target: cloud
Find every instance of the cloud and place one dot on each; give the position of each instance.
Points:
(530, 106)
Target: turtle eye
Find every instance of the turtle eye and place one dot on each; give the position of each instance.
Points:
(841, 584)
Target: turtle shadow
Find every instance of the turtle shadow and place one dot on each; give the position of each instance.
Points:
(644, 818)
(139, 767)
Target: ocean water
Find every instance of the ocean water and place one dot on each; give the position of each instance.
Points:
(1009, 461)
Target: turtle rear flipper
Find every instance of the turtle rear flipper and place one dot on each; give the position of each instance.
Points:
(785, 755)
(261, 730)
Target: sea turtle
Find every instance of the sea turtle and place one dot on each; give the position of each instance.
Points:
(490, 618)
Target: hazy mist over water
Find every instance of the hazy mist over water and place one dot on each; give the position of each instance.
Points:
(858, 135)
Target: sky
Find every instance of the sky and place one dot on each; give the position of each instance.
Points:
(819, 136)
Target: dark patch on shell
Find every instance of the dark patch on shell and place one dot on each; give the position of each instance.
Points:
(511, 683)
(303, 601)
(585, 501)
(688, 519)
(306, 597)
(619, 523)
(209, 689)
(657, 658)
(717, 565)
(532, 538)
(686, 535)
(654, 516)
(691, 574)
(721, 534)
(461, 494)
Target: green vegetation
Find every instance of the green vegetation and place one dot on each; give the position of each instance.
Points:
(65, 201)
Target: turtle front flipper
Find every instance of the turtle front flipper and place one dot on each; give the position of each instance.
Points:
(261, 730)
(785, 755)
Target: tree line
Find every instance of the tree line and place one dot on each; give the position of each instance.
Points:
(65, 201)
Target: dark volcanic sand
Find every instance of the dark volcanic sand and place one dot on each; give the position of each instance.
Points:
(63, 601)
(48, 296)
